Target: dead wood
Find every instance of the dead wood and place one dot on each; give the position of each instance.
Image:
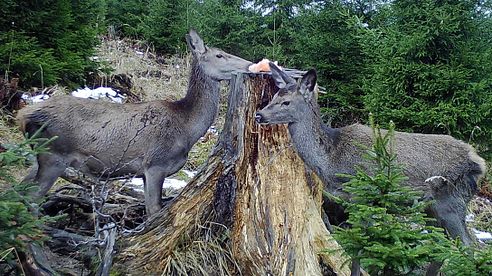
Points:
(109, 240)
(255, 185)
(10, 96)
(34, 261)
(88, 231)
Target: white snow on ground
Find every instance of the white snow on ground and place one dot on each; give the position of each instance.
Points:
(35, 99)
(174, 183)
(190, 174)
(168, 183)
(482, 236)
(98, 93)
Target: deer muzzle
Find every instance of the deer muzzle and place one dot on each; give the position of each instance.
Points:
(259, 118)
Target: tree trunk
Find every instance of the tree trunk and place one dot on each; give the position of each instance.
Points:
(256, 191)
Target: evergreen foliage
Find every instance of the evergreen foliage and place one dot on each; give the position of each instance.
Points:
(49, 41)
(19, 225)
(388, 233)
(127, 16)
(471, 261)
(323, 39)
(429, 68)
(165, 25)
(225, 24)
(249, 29)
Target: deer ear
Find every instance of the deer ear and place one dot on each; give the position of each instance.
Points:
(195, 43)
(277, 76)
(308, 83)
(282, 80)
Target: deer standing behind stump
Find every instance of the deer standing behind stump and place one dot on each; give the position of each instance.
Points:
(443, 168)
(150, 139)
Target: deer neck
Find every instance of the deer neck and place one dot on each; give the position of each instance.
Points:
(314, 142)
(200, 103)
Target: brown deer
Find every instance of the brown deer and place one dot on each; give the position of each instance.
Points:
(150, 139)
(443, 168)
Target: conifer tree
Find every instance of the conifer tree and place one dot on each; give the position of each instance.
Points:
(127, 16)
(165, 24)
(388, 233)
(324, 39)
(18, 223)
(48, 41)
(430, 68)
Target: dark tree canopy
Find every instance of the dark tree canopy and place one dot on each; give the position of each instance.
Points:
(49, 41)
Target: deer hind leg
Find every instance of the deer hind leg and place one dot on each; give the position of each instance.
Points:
(450, 214)
(50, 167)
(33, 171)
(449, 209)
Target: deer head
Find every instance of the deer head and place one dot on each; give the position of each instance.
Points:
(292, 102)
(215, 63)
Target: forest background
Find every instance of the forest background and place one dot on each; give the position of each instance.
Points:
(426, 64)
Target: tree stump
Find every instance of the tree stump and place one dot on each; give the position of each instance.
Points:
(255, 186)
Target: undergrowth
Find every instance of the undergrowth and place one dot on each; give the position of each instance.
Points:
(18, 223)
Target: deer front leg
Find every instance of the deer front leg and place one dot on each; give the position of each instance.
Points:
(155, 175)
(154, 178)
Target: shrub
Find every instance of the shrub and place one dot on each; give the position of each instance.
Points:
(19, 225)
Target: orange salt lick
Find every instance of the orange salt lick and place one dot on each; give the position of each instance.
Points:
(261, 66)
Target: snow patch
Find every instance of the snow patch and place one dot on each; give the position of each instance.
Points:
(87, 93)
(481, 235)
(98, 93)
(174, 183)
(190, 174)
(39, 98)
(168, 183)
(34, 99)
(470, 218)
(137, 181)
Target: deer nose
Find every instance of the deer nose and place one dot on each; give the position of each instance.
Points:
(258, 117)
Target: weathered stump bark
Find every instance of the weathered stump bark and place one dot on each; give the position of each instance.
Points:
(254, 184)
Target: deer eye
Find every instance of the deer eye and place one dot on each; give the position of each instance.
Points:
(286, 103)
(219, 56)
